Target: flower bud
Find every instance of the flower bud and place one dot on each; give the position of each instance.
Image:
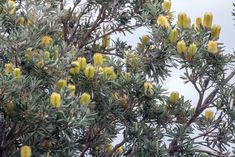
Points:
(148, 88)
(181, 47)
(61, 84)
(108, 147)
(127, 76)
(209, 114)
(106, 41)
(21, 21)
(207, 20)
(75, 69)
(145, 39)
(56, 55)
(89, 71)
(10, 107)
(192, 49)
(17, 73)
(174, 35)
(82, 62)
(198, 22)
(9, 68)
(166, 5)
(212, 47)
(98, 59)
(162, 21)
(25, 151)
(55, 100)
(47, 56)
(174, 97)
(72, 89)
(85, 99)
(182, 19)
(11, 7)
(139, 46)
(119, 150)
(215, 31)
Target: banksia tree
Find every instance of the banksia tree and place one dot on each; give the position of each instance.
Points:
(68, 88)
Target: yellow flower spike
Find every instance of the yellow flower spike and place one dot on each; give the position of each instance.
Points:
(209, 114)
(120, 150)
(215, 31)
(174, 97)
(106, 41)
(162, 21)
(11, 7)
(17, 73)
(145, 39)
(89, 71)
(181, 47)
(174, 35)
(47, 55)
(166, 5)
(108, 147)
(72, 89)
(10, 107)
(139, 46)
(21, 21)
(82, 62)
(56, 55)
(25, 151)
(182, 19)
(108, 71)
(61, 83)
(188, 22)
(148, 88)
(9, 68)
(192, 49)
(55, 100)
(46, 40)
(75, 69)
(212, 47)
(207, 20)
(198, 22)
(127, 76)
(98, 59)
(85, 99)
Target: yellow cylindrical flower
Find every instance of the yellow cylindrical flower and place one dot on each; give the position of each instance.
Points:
(207, 20)
(21, 21)
(98, 59)
(187, 23)
(148, 88)
(47, 55)
(76, 68)
(192, 49)
(46, 40)
(106, 41)
(9, 68)
(120, 150)
(174, 35)
(89, 71)
(212, 47)
(82, 62)
(85, 99)
(145, 39)
(25, 151)
(108, 147)
(11, 7)
(166, 5)
(72, 89)
(17, 73)
(198, 22)
(182, 19)
(215, 31)
(181, 47)
(209, 114)
(10, 107)
(174, 97)
(61, 83)
(162, 21)
(55, 100)
(56, 55)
